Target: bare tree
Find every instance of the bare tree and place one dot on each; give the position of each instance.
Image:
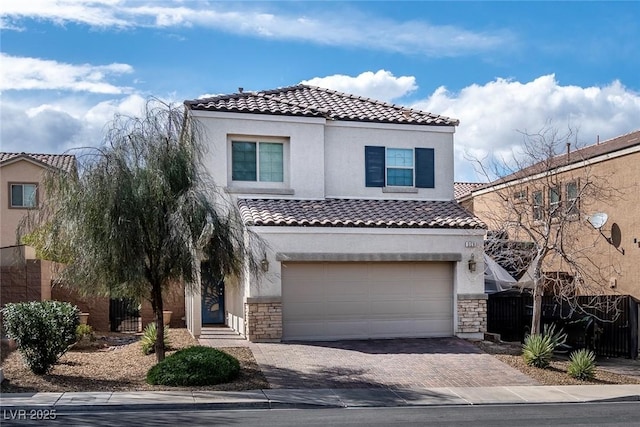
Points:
(536, 207)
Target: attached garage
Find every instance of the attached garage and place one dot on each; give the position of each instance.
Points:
(359, 300)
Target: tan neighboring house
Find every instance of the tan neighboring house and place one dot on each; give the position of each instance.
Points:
(612, 164)
(24, 277)
(21, 189)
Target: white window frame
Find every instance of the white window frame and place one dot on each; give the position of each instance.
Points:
(23, 184)
(387, 167)
(247, 186)
(555, 208)
(537, 208)
(575, 202)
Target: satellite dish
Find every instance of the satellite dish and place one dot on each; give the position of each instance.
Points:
(616, 235)
(597, 220)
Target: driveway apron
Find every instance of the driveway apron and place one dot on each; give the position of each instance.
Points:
(393, 363)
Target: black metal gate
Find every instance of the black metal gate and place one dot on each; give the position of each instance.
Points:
(124, 315)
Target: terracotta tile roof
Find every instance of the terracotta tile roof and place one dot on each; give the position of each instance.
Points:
(312, 101)
(609, 146)
(66, 162)
(461, 189)
(357, 213)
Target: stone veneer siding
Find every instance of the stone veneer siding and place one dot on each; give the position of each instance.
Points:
(263, 319)
(472, 314)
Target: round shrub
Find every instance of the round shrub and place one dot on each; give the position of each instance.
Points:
(43, 331)
(195, 366)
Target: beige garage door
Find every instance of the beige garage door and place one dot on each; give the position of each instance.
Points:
(330, 301)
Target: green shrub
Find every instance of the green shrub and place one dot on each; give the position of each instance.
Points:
(195, 366)
(537, 350)
(582, 364)
(557, 338)
(148, 339)
(43, 331)
(84, 331)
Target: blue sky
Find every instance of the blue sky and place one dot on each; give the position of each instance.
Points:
(500, 67)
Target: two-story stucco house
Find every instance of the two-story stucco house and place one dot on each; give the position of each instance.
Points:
(613, 250)
(354, 199)
(21, 176)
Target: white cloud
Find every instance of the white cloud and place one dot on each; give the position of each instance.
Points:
(338, 27)
(22, 73)
(492, 114)
(381, 85)
(57, 126)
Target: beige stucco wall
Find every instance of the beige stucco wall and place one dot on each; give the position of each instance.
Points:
(324, 159)
(345, 161)
(334, 241)
(20, 171)
(622, 176)
(303, 150)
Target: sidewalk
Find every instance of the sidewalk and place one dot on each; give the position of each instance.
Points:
(316, 398)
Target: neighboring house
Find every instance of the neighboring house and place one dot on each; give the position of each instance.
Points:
(355, 200)
(24, 277)
(21, 189)
(610, 164)
(462, 190)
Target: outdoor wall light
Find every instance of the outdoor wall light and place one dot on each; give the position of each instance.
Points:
(264, 264)
(472, 263)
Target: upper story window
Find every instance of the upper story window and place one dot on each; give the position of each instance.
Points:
(257, 161)
(554, 201)
(23, 195)
(520, 196)
(399, 167)
(571, 196)
(538, 205)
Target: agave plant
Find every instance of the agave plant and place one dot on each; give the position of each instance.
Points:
(582, 364)
(148, 340)
(537, 350)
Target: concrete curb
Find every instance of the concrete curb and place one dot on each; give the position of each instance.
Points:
(316, 398)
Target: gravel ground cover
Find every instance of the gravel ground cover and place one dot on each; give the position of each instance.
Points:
(114, 362)
(555, 374)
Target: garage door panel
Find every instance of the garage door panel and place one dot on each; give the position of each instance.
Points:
(366, 300)
(347, 309)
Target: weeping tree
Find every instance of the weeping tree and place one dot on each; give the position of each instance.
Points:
(141, 213)
(537, 209)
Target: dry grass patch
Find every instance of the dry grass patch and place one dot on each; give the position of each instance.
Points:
(114, 362)
(555, 374)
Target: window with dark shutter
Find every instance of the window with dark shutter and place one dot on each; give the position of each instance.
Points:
(425, 168)
(374, 166)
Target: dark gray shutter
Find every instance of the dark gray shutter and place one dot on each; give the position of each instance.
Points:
(425, 171)
(374, 166)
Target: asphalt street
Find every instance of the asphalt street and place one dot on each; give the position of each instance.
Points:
(581, 414)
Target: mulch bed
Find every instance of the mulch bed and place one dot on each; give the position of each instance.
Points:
(114, 362)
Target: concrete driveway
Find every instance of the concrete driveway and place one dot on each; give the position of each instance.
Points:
(394, 363)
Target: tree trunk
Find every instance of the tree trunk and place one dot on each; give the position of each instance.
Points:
(537, 310)
(156, 303)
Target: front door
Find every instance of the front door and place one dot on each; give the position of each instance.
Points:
(212, 296)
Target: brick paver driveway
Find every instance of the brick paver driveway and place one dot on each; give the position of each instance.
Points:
(397, 363)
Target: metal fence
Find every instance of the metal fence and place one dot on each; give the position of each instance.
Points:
(606, 324)
(124, 315)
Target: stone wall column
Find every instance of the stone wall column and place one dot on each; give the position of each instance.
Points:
(472, 315)
(263, 319)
